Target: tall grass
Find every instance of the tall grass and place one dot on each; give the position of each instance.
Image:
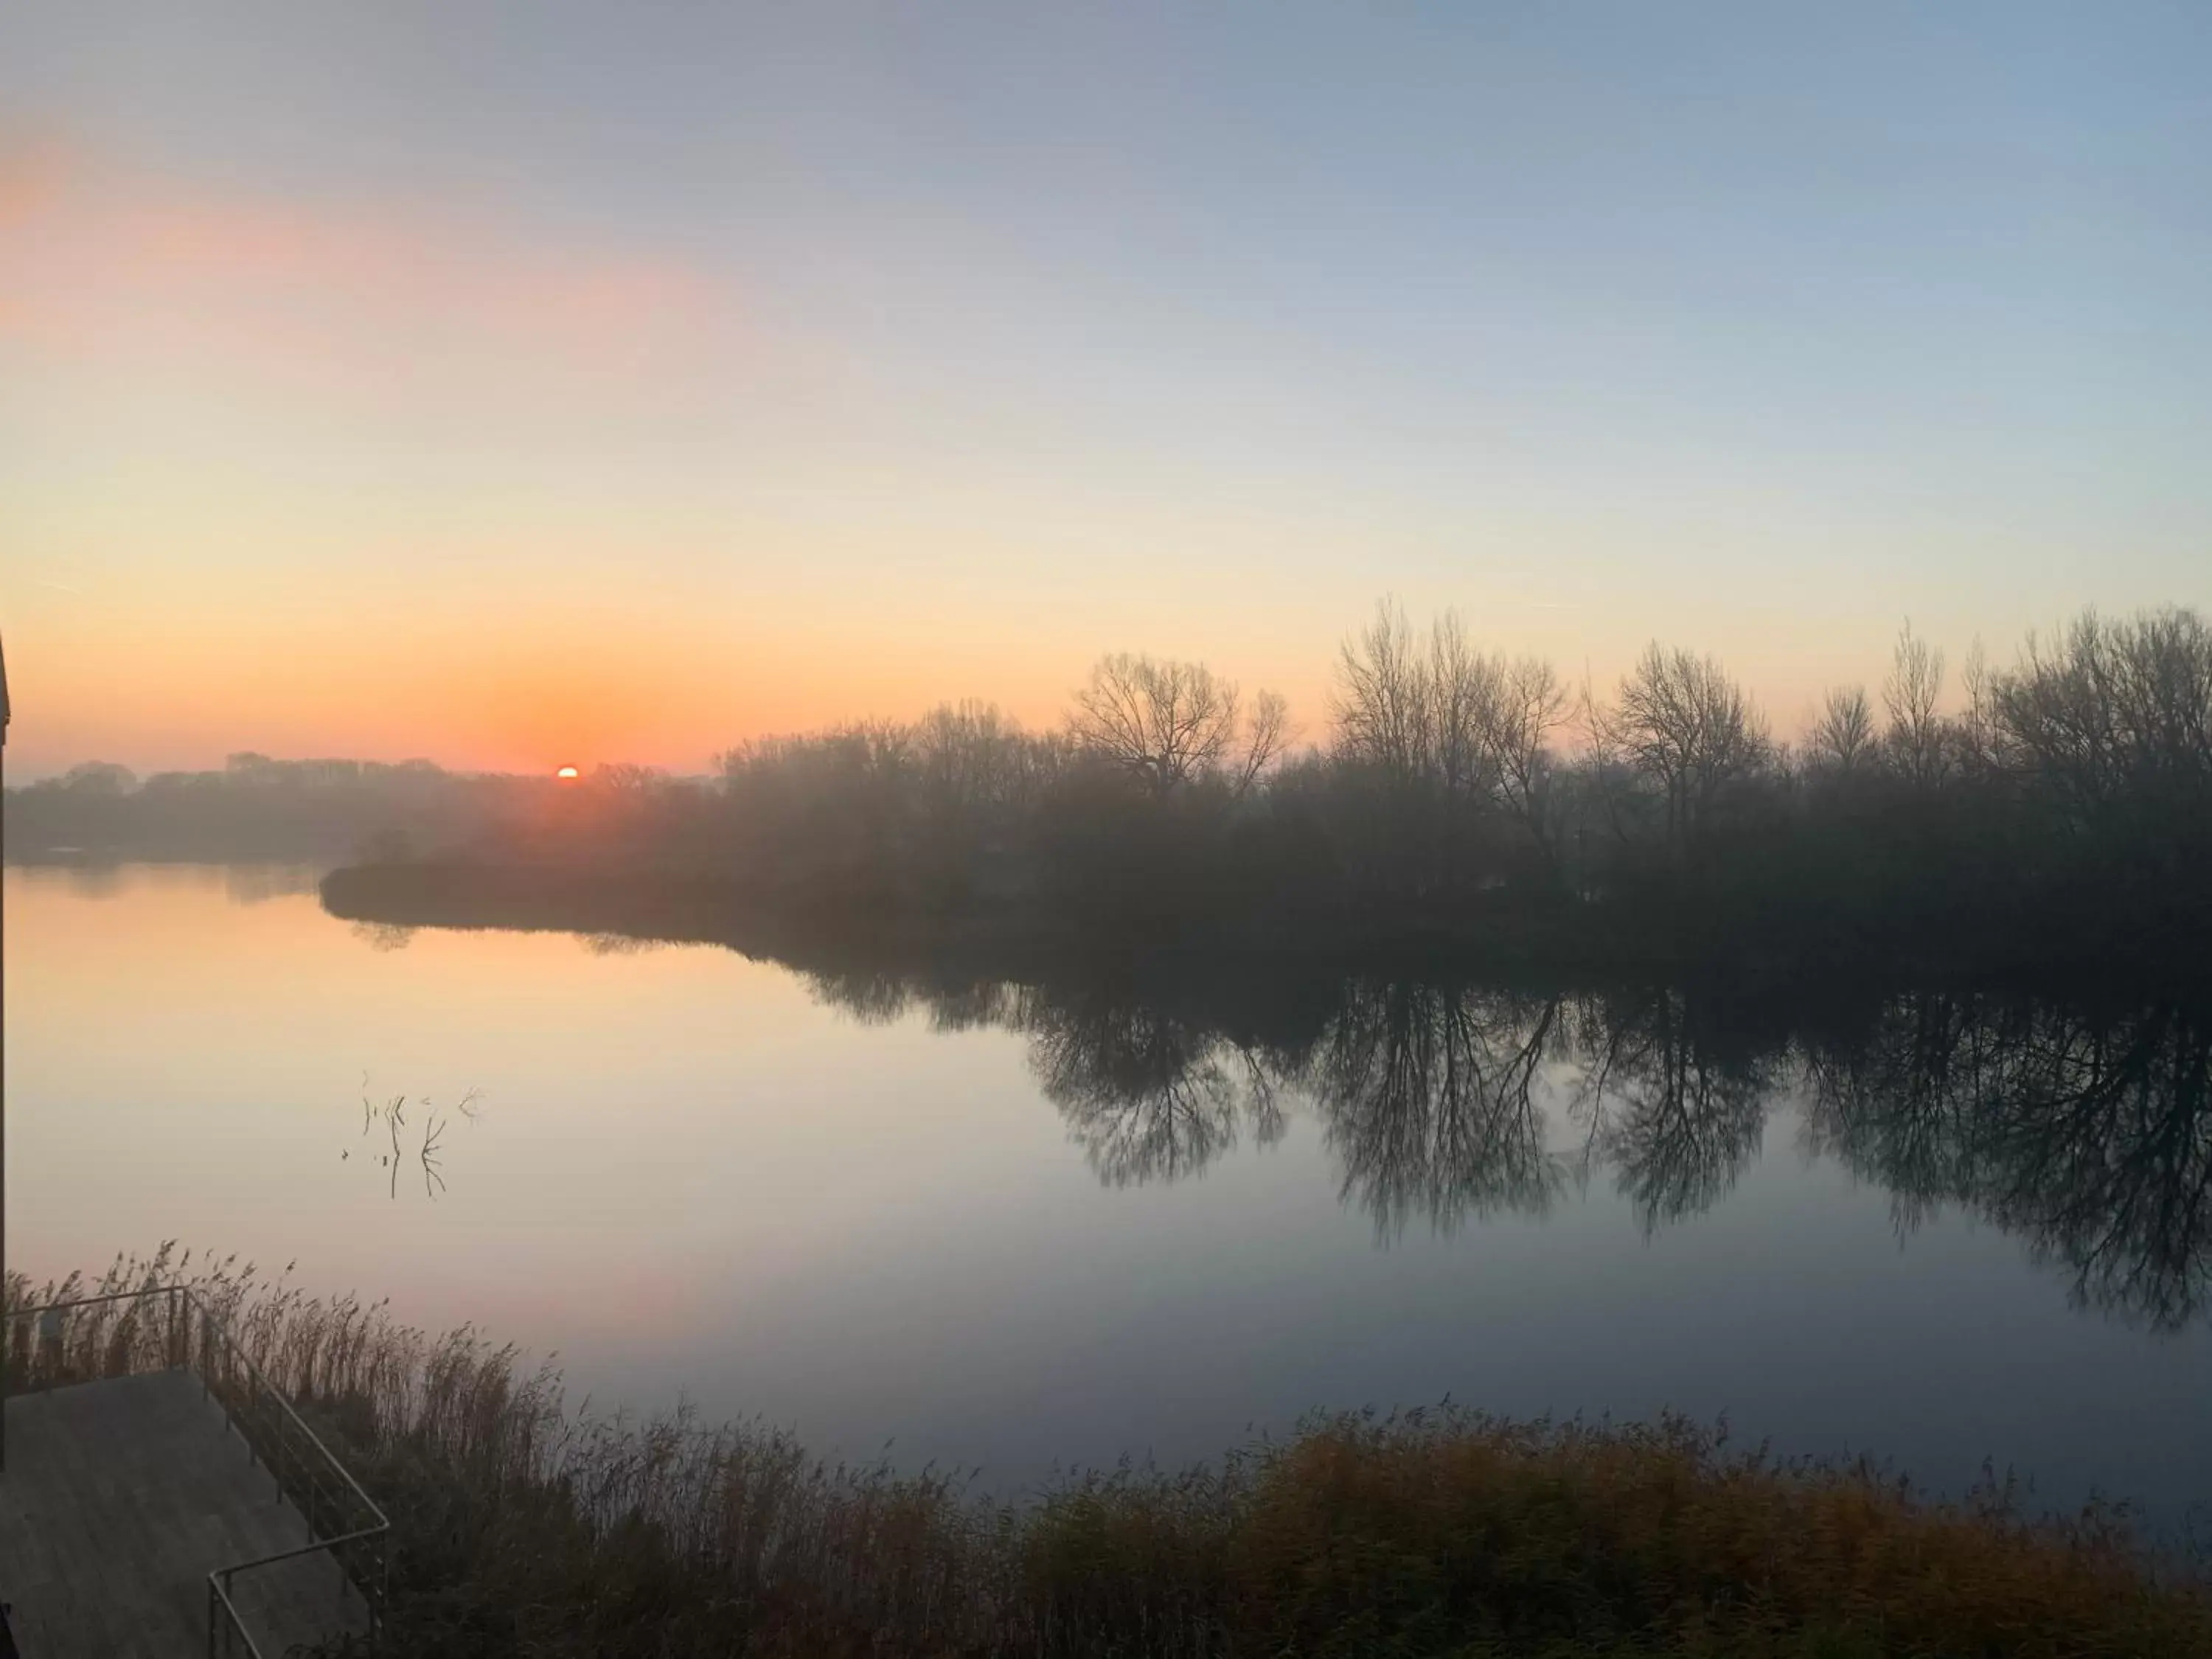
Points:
(523, 1528)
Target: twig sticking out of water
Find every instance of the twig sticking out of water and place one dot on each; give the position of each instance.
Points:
(392, 1113)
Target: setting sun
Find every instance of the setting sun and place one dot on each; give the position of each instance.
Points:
(568, 775)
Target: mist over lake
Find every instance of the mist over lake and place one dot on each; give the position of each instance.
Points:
(1004, 1227)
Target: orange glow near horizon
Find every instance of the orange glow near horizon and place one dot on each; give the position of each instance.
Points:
(387, 474)
(156, 681)
(568, 774)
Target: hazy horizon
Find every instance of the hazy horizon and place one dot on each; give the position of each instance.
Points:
(580, 386)
(1312, 726)
(1312, 722)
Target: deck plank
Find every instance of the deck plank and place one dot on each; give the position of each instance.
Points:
(120, 1498)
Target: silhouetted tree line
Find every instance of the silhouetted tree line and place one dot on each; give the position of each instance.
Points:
(2031, 819)
(2085, 1128)
(2050, 815)
(256, 808)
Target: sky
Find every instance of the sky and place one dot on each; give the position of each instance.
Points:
(514, 385)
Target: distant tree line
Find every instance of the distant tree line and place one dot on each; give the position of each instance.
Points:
(2055, 809)
(257, 808)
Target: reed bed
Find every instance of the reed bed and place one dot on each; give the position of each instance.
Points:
(525, 1528)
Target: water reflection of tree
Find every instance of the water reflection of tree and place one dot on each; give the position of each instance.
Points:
(974, 1007)
(871, 996)
(1671, 1098)
(619, 944)
(2088, 1132)
(383, 936)
(1427, 1092)
(1147, 1093)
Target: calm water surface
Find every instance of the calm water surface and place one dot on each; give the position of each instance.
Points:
(1007, 1231)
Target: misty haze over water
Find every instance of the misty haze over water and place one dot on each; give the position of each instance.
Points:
(970, 1218)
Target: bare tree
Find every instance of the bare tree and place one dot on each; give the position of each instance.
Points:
(1473, 724)
(1462, 689)
(969, 756)
(2114, 709)
(1976, 729)
(1684, 725)
(1382, 704)
(627, 778)
(1467, 727)
(1267, 733)
(1528, 702)
(1917, 740)
(1842, 740)
(1165, 723)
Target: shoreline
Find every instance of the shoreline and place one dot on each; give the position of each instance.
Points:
(521, 1527)
(1558, 944)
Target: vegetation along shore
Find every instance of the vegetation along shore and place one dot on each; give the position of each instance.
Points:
(524, 1529)
(2056, 825)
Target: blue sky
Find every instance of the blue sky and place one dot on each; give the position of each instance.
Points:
(416, 379)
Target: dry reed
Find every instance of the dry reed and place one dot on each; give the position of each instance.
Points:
(525, 1528)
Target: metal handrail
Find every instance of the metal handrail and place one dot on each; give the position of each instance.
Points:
(223, 1616)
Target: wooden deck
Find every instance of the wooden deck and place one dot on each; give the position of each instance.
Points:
(119, 1498)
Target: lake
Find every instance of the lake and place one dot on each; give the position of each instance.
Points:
(1009, 1229)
